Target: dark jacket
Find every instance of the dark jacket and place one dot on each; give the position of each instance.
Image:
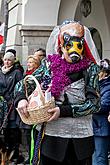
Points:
(7, 85)
(101, 126)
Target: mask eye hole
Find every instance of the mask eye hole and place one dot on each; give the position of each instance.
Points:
(68, 46)
(66, 37)
(79, 45)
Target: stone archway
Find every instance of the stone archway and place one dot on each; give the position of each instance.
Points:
(97, 40)
(67, 10)
(98, 19)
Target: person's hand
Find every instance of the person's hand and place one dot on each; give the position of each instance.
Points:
(102, 75)
(109, 118)
(22, 107)
(55, 113)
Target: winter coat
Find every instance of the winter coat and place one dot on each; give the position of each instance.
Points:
(101, 126)
(7, 85)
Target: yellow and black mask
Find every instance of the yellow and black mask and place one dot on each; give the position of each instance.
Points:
(74, 47)
(72, 41)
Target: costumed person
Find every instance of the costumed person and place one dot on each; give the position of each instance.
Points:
(101, 126)
(9, 76)
(72, 56)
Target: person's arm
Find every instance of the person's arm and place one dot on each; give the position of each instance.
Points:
(104, 95)
(20, 100)
(19, 92)
(105, 100)
(19, 75)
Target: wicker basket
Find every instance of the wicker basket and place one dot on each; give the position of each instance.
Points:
(37, 114)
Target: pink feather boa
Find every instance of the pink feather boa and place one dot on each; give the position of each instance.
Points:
(60, 70)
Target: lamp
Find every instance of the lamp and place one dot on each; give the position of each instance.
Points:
(85, 7)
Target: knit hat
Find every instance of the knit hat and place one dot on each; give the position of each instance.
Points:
(105, 65)
(12, 51)
(10, 56)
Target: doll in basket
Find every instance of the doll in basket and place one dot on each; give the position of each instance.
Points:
(73, 59)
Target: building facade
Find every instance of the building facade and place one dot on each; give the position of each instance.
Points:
(30, 22)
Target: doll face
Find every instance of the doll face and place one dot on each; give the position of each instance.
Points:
(74, 47)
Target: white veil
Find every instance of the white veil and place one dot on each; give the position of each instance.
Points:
(91, 45)
(52, 44)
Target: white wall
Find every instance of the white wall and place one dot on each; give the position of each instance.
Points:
(40, 12)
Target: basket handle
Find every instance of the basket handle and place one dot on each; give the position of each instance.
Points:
(37, 85)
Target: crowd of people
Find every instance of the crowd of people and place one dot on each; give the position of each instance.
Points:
(13, 128)
(78, 131)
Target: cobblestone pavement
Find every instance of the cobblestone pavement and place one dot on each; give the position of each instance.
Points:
(28, 164)
(25, 155)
